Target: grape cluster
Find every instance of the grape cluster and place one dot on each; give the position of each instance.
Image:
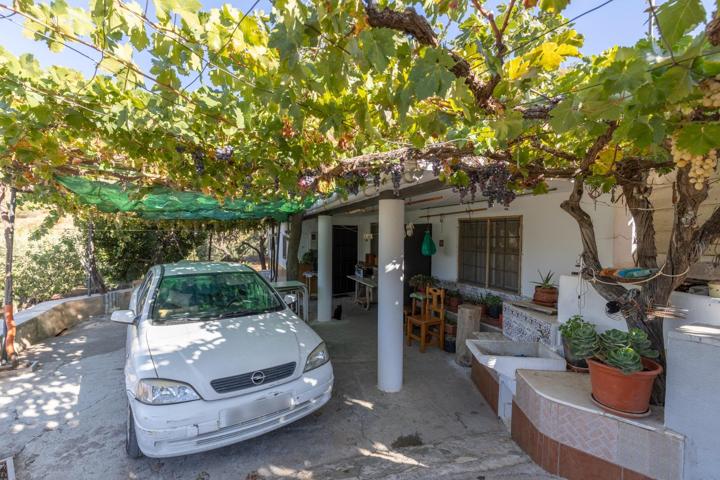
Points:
(224, 154)
(493, 180)
(701, 166)
(352, 182)
(306, 181)
(395, 171)
(436, 164)
(711, 93)
(198, 157)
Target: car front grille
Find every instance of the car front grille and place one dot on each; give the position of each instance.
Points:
(245, 380)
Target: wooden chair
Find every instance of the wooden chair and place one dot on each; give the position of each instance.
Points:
(430, 319)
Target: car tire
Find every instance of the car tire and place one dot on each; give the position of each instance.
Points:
(131, 445)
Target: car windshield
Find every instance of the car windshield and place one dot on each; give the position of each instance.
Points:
(213, 295)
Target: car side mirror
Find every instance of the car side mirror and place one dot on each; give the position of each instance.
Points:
(123, 316)
(290, 299)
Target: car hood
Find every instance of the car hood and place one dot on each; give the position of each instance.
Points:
(199, 352)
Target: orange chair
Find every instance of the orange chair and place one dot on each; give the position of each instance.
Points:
(430, 320)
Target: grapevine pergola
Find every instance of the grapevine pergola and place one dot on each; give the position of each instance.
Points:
(320, 96)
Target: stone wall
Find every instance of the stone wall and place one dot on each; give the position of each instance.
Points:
(47, 319)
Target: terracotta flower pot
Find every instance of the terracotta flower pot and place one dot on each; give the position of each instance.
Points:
(625, 393)
(547, 296)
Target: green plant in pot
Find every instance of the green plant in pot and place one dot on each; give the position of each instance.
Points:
(567, 330)
(420, 281)
(309, 258)
(494, 305)
(622, 371)
(546, 291)
(454, 299)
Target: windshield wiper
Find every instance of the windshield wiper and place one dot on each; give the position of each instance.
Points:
(244, 313)
(240, 313)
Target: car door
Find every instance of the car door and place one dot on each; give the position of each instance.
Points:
(140, 298)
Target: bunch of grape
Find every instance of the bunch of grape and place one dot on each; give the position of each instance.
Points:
(436, 164)
(307, 180)
(224, 154)
(396, 171)
(701, 166)
(353, 182)
(711, 91)
(198, 157)
(493, 180)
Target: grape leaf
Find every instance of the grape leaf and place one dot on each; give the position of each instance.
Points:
(678, 17)
(699, 138)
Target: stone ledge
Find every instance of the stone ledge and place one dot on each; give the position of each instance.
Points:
(47, 319)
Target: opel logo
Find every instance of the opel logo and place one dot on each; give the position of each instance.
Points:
(257, 377)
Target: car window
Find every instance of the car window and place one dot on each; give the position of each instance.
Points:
(143, 292)
(213, 295)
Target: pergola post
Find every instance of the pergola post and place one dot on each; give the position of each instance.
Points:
(324, 279)
(391, 243)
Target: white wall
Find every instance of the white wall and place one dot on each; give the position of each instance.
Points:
(702, 309)
(550, 237)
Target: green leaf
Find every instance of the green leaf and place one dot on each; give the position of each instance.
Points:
(676, 83)
(699, 138)
(565, 116)
(430, 75)
(378, 46)
(678, 17)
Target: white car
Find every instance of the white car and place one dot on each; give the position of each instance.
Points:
(214, 356)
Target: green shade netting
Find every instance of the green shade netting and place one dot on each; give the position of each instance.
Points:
(160, 203)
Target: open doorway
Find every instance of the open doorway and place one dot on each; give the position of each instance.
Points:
(344, 258)
(415, 262)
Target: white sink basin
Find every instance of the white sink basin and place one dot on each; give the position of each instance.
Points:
(506, 356)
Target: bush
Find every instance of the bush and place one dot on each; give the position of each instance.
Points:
(46, 269)
(125, 251)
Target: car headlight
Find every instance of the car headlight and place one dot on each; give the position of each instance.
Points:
(317, 358)
(163, 392)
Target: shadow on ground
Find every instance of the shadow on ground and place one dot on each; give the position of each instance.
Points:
(67, 419)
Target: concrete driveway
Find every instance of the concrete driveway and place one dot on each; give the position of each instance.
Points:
(67, 419)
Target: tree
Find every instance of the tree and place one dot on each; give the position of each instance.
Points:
(330, 96)
(127, 248)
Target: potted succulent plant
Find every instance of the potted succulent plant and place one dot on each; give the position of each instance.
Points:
(622, 371)
(567, 330)
(546, 292)
(494, 306)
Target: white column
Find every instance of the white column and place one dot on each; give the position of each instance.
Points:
(324, 280)
(391, 248)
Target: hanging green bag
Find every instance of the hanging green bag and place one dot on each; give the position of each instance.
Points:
(428, 246)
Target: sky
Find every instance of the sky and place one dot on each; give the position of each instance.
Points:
(621, 22)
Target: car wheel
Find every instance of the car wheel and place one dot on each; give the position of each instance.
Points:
(131, 445)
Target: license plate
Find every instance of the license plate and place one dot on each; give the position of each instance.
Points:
(256, 409)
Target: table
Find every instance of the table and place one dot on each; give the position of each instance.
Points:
(309, 275)
(369, 284)
(295, 287)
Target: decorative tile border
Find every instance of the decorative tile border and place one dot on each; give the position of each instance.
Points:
(568, 441)
(521, 325)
